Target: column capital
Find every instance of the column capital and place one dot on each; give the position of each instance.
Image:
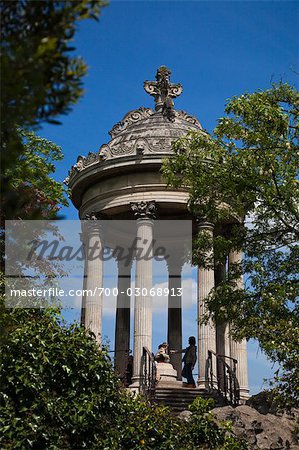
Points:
(144, 210)
(94, 215)
(203, 223)
(92, 223)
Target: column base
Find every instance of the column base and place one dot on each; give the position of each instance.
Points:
(244, 395)
(135, 386)
(202, 384)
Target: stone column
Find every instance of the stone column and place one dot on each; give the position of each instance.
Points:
(174, 330)
(145, 213)
(222, 328)
(83, 306)
(238, 350)
(92, 302)
(206, 332)
(122, 321)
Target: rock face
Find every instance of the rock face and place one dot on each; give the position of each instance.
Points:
(264, 402)
(261, 431)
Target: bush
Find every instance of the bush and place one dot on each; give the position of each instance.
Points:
(59, 391)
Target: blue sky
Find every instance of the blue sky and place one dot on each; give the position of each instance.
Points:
(214, 49)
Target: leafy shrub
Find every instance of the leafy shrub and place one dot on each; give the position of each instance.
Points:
(59, 391)
(58, 388)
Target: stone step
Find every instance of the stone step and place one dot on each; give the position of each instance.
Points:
(185, 397)
(178, 399)
(181, 392)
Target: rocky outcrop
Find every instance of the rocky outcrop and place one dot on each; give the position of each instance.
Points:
(264, 402)
(261, 431)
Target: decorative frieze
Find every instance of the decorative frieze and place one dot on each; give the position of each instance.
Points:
(124, 148)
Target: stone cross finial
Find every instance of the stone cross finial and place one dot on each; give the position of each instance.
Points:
(163, 91)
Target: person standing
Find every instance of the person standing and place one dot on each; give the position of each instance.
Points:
(189, 360)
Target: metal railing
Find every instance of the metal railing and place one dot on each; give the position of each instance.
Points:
(221, 377)
(148, 374)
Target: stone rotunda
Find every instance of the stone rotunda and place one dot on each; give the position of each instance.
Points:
(123, 181)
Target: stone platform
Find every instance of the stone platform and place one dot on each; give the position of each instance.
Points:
(167, 376)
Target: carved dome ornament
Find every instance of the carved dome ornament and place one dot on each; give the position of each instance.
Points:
(143, 131)
(130, 117)
(163, 92)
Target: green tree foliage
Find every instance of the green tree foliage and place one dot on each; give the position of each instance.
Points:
(58, 388)
(59, 391)
(249, 170)
(34, 193)
(41, 76)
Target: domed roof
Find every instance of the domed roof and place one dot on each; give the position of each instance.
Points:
(144, 131)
